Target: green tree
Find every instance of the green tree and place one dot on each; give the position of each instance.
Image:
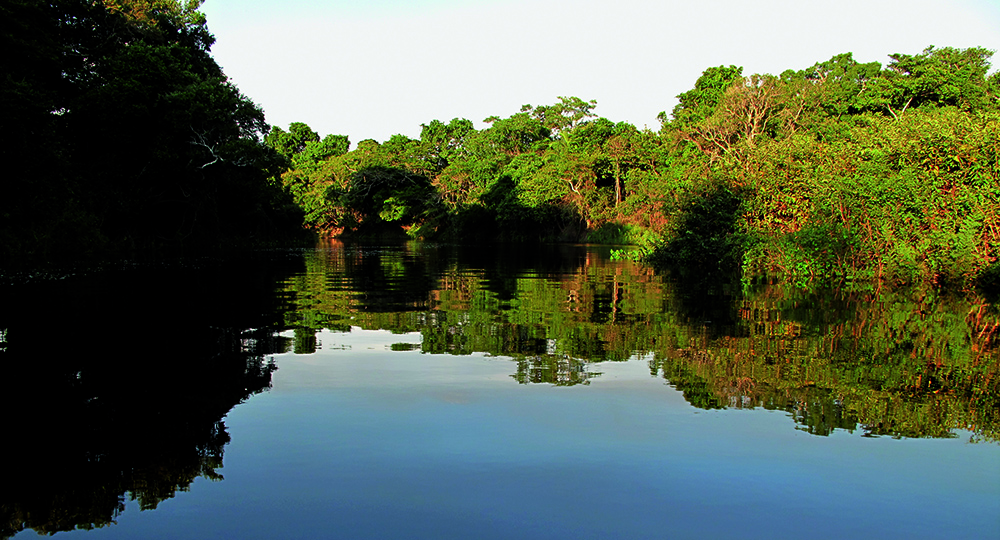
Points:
(562, 116)
(699, 103)
(936, 77)
(315, 152)
(834, 86)
(440, 143)
(291, 142)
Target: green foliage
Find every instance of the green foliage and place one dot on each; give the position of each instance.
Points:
(291, 142)
(315, 152)
(563, 116)
(699, 103)
(441, 143)
(937, 77)
(840, 171)
(833, 88)
(629, 234)
(706, 239)
(511, 136)
(381, 197)
(162, 15)
(146, 144)
(837, 182)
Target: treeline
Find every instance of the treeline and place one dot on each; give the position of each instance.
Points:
(840, 170)
(120, 132)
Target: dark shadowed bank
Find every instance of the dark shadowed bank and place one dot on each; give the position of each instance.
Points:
(121, 135)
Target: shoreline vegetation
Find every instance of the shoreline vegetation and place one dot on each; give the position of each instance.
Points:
(125, 136)
(842, 171)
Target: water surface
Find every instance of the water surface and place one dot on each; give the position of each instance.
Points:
(425, 391)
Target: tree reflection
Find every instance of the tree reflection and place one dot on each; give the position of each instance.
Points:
(902, 363)
(549, 369)
(119, 383)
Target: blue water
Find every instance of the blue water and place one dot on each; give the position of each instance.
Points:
(116, 381)
(359, 441)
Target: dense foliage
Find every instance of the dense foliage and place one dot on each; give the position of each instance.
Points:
(120, 131)
(841, 170)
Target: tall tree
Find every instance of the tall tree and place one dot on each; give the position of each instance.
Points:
(291, 142)
(562, 116)
(440, 142)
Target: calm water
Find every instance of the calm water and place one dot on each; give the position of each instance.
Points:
(421, 391)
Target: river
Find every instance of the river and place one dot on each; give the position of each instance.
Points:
(511, 391)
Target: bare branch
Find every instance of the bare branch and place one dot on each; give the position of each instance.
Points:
(200, 141)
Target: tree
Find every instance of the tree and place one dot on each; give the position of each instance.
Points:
(620, 149)
(380, 196)
(440, 142)
(835, 85)
(484, 155)
(512, 136)
(314, 152)
(936, 77)
(699, 103)
(608, 146)
(993, 90)
(37, 203)
(153, 13)
(750, 106)
(149, 143)
(291, 142)
(562, 116)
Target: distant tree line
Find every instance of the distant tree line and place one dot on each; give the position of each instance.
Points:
(840, 170)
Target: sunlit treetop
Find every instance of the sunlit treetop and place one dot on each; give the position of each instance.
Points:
(159, 13)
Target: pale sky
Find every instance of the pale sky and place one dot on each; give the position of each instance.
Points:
(370, 69)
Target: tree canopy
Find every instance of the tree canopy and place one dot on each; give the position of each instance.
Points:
(122, 132)
(842, 169)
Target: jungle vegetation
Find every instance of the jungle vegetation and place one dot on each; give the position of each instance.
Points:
(842, 170)
(120, 132)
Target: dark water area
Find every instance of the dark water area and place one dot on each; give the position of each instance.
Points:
(435, 391)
